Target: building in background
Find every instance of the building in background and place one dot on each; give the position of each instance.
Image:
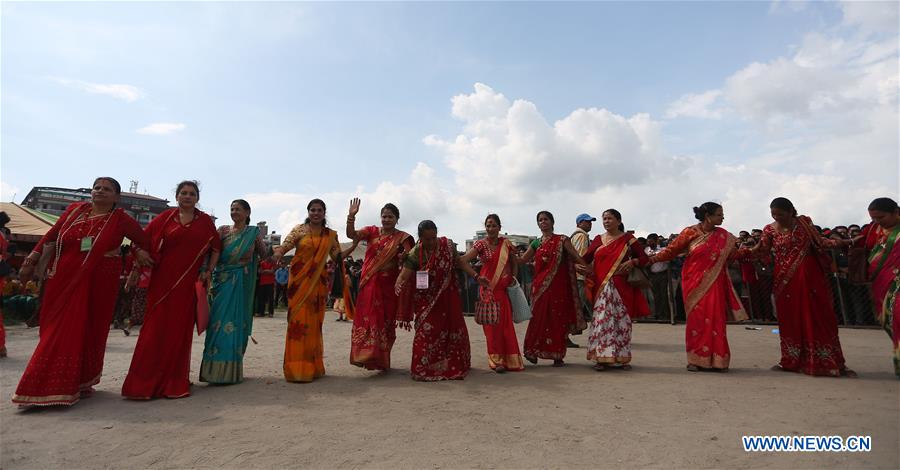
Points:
(53, 200)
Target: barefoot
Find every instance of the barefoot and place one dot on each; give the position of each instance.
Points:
(849, 373)
(599, 367)
(558, 363)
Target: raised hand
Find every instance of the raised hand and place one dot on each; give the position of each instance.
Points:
(354, 206)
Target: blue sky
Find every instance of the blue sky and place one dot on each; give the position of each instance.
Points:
(454, 110)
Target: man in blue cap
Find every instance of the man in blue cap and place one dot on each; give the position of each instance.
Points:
(581, 240)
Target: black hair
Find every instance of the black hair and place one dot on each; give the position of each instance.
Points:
(883, 204)
(324, 209)
(4, 219)
(652, 235)
(548, 214)
(706, 209)
(191, 183)
(618, 217)
(116, 185)
(426, 225)
(245, 205)
(784, 204)
(392, 208)
(495, 218)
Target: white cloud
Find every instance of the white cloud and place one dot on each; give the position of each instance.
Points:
(506, 148)
(793, 6)
(7, 191)
(872, 16)
(162, 128)
(422, 196)
(697, 105)
(129, 93)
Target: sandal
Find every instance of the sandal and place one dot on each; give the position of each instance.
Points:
(692, 368)
(599, 367)
(500, 369)
(558, 363)
(849, 373)
(532, 360)
(626, 367)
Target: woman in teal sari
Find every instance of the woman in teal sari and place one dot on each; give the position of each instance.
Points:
(231, 310)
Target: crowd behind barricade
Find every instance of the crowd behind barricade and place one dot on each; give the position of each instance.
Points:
(752, 281)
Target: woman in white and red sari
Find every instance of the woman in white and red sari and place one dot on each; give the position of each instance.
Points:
(180, 238)
(429, 294)
(554, 300)
(807, 323)
(709, 297)
(498, 271)
(614, 254)
(375, 320)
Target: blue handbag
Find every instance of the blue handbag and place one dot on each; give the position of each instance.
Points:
(521, 311)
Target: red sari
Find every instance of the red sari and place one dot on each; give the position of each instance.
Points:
(162, 358)
(615, 301)
(441, 344)
(77, 306)
(709, 296)
(375, 321)
(502, 344)
(883, 249)
(803, 304)
(4, 245)
(554, 302)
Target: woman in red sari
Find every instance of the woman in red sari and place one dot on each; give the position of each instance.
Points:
(881, 240)
(498, 271)
(180, 239)
(375, 320)
(614, 254)
(441, 345)
(554, 301)
(4, 246)
(79, 297)
(709, 297)
(807, 323)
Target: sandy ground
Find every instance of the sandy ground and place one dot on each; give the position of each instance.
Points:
(657, 415)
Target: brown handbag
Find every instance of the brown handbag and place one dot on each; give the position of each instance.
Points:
(638, 278)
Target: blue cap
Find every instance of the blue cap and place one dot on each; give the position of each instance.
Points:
(584, 217)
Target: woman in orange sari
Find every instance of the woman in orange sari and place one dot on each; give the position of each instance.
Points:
(498, 271)
(441, 348)
(308, 292)
(79, 297)
(180, 239)
(881, 240)
(807, 323)
(709, 297)
(375, 321)
(554, 301)
(614, 254)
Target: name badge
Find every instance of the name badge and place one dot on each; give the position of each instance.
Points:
(421, 279)
(87, 243)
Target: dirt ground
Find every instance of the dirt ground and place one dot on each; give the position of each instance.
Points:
(657, 415)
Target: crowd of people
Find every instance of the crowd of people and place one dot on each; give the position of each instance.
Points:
(574, 285)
